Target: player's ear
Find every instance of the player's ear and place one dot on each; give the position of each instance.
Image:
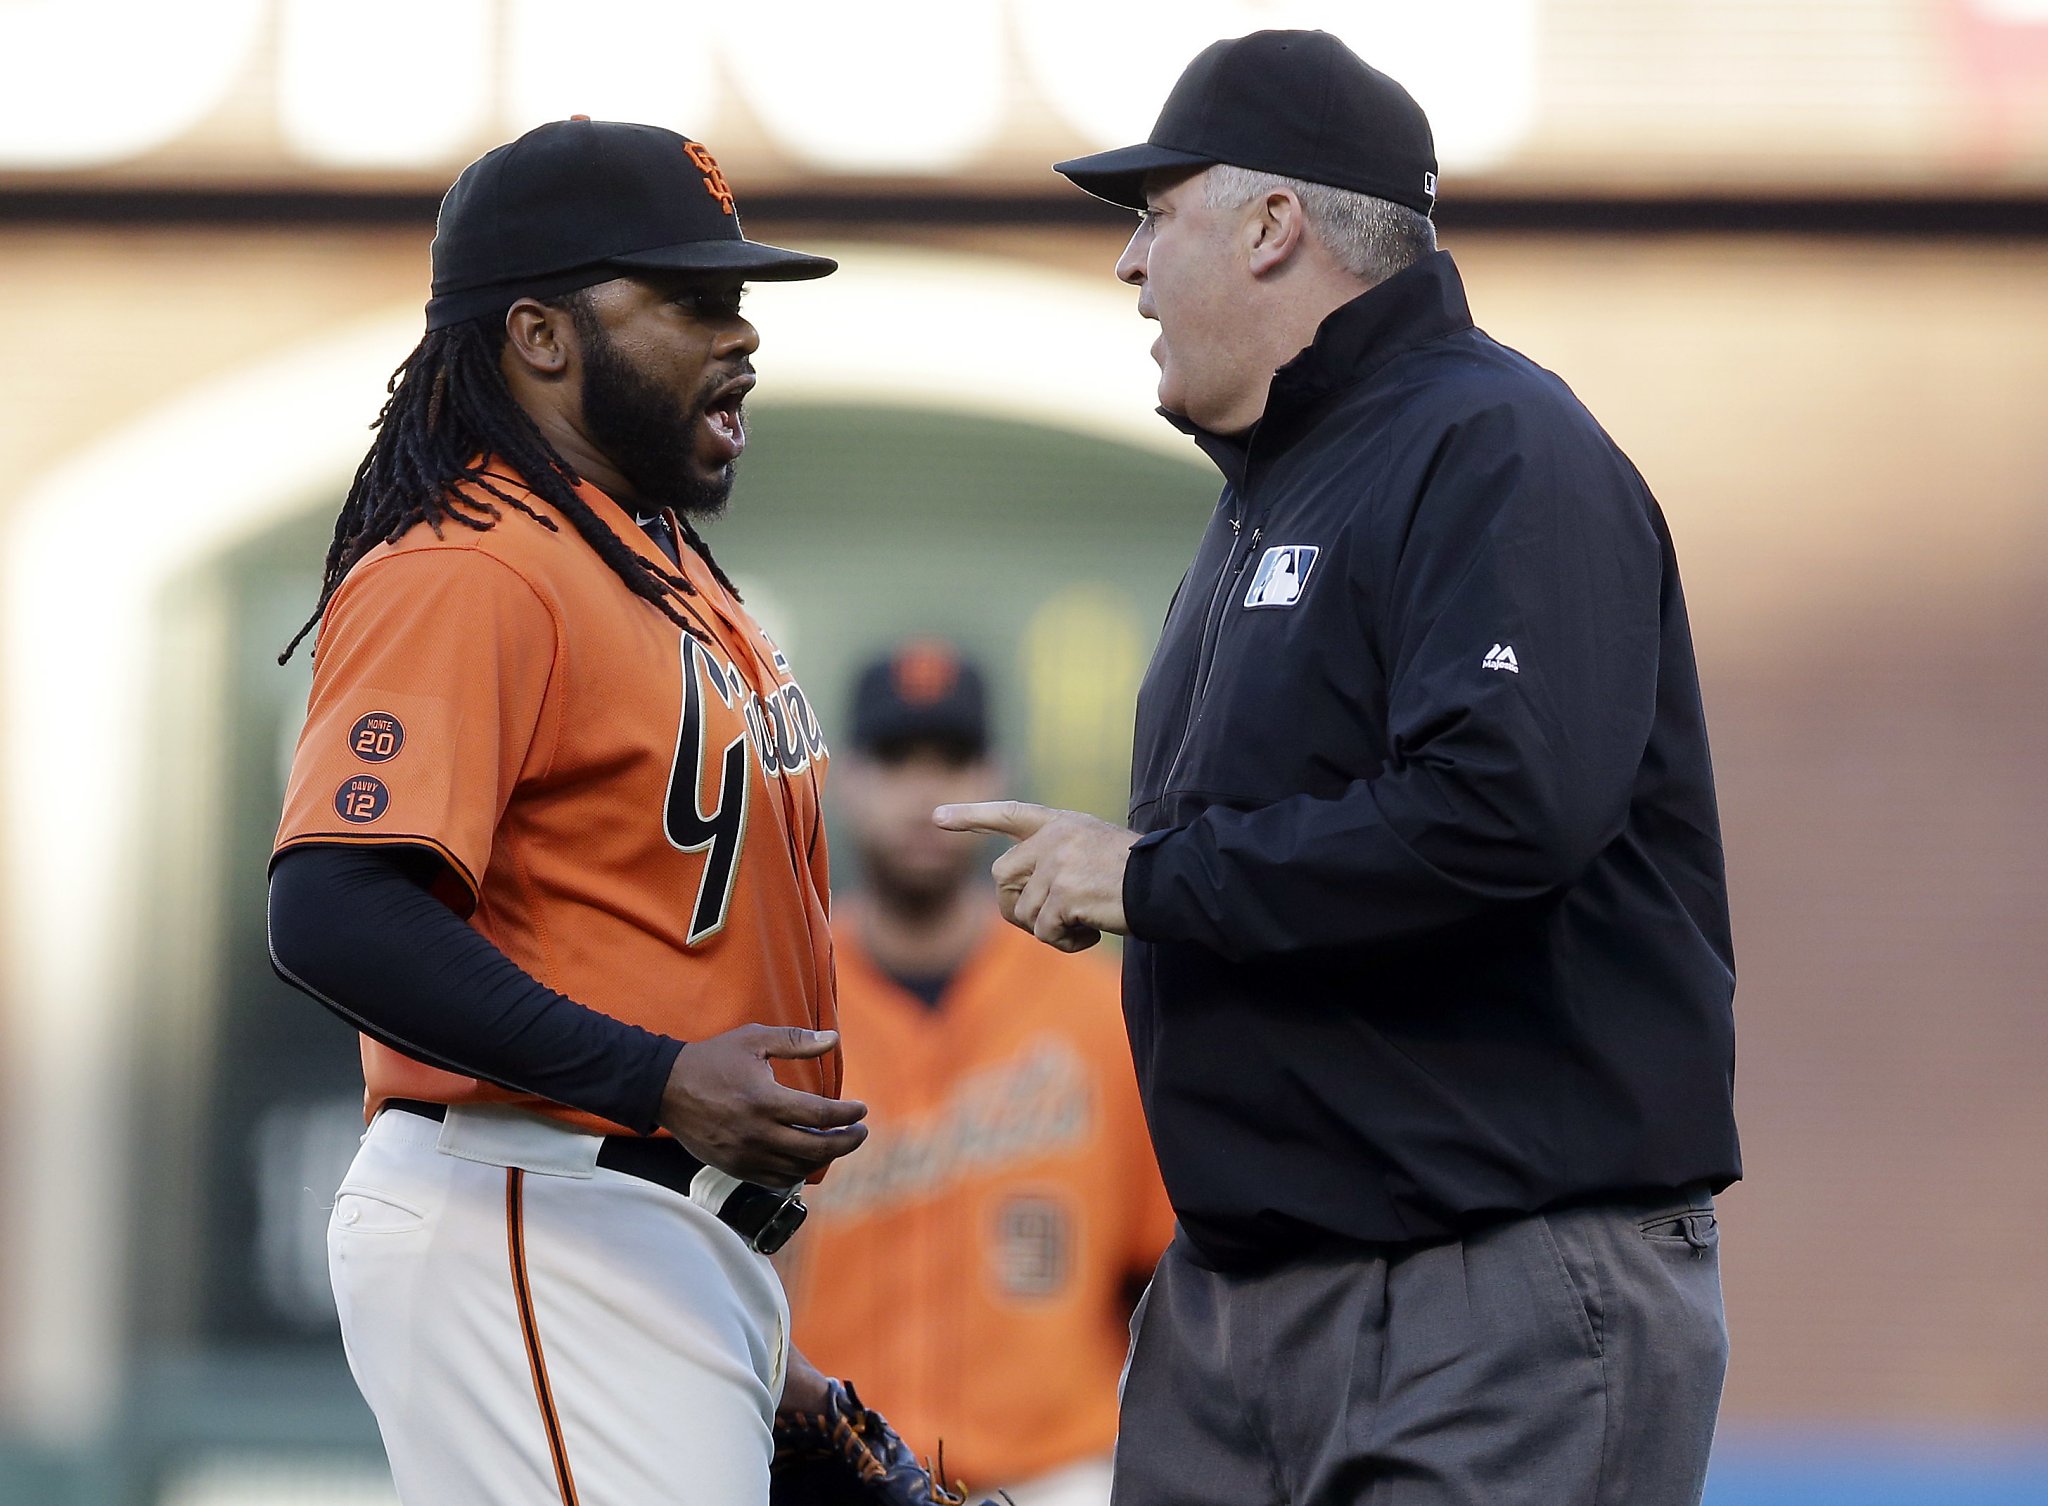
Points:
(540, 339)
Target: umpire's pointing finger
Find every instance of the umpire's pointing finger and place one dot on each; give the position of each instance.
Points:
(1015, 819)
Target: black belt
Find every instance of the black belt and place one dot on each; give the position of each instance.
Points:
(761, 1216)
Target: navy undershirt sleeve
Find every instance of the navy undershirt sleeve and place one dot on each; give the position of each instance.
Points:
(359, 930)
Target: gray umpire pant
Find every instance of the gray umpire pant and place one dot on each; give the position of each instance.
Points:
(1572, 1358)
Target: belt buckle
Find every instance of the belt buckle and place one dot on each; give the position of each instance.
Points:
(761, 1216)
(775, 1231)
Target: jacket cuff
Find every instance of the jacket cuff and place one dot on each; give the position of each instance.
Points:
(652, 1082)
(1139, 919)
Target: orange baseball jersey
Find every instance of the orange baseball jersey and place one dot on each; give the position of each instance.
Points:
(632, 811)
(970, 1267)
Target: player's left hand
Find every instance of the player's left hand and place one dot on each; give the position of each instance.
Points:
(1064, 880)
(834, 1451)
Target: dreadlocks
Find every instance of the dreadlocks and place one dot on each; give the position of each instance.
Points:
(447, 416)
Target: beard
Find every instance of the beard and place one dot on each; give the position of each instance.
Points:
(635, 422)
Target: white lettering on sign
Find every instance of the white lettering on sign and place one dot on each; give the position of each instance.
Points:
(2013, 12)
(380, 83)
(1107, 68)
(92, 84)
(892, 87)
(1471, 64)
(911, 86)
(565, 57)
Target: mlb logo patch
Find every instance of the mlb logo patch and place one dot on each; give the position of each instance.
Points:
(1283, 575)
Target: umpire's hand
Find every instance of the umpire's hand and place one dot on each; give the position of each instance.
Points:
(723, 1102)
(1064, 880)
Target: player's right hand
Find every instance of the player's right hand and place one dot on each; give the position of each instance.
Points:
(723, 1102)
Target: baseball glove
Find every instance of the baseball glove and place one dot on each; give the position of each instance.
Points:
(848, 1455)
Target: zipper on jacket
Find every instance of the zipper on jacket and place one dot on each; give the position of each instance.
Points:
(1212, 640)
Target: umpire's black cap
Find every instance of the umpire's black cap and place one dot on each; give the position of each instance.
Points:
(922, 692)
(1297, 103)
(581, 201)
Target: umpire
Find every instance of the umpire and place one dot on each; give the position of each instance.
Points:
(1429, 978)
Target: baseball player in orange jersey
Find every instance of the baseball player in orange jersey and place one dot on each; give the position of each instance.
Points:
(554, 813)
(976, 1263)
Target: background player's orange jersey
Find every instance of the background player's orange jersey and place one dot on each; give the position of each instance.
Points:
(632, 812)
(973, 1265)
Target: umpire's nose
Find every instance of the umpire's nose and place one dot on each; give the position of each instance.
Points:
(1131, 266)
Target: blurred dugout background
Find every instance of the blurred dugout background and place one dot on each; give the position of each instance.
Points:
(1794, 253)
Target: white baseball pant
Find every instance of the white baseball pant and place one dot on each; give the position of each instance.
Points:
(533, 1330)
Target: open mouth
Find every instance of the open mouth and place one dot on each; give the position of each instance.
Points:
(725, 421)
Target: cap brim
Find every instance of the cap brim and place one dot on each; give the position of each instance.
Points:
(1119, 176)
(760, 263)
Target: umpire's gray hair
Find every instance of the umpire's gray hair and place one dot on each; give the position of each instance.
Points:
(1371, 238)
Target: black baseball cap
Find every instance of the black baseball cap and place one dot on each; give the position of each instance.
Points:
(922, 691)
(1297, 103)
(576, 202)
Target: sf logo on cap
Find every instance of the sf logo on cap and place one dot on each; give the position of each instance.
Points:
(714, 180)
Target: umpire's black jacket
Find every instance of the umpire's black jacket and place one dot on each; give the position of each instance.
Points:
(1429, 925)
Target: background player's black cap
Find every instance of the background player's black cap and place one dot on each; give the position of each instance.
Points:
(580, 201)
(922, 691)
(1297, 103)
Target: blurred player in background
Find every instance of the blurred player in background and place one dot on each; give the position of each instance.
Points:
(976, 1264)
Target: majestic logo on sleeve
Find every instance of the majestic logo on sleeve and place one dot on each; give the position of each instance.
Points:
(1283, 575)
(1502, 656)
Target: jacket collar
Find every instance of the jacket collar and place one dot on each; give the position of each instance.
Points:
(1419, 304)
